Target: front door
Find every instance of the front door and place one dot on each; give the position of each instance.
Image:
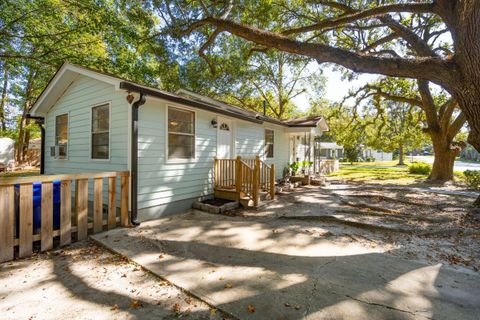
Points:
(225, 138)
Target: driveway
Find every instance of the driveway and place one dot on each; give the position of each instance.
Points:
(264, 268)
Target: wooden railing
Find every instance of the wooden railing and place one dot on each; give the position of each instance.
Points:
(25, 237)
(245, 175)
(267, 178)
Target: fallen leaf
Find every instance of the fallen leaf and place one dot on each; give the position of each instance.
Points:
(188, 300)
(115, 307)
(135, 304)
(177, 308)
(161, 256)
(229, 286)
(251, 308)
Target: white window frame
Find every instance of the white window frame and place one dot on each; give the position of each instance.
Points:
(90, 133)
(68, 134)
(180, 160)
(265, 143)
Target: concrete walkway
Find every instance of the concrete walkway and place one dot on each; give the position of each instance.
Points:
(259, 269)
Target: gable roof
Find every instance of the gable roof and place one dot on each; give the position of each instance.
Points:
(68, 72)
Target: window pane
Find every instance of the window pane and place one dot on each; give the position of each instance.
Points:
(181, 146)
(269, 141)
(101, 118)
(100, 145)
(269, 152)
(181, 121)
(61, 129)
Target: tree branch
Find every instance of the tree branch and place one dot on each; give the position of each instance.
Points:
(428, 68)
(369, 13)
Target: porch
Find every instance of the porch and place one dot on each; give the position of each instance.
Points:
(246, 180)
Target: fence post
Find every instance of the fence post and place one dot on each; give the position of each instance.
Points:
(215, 172)
(256, 180)
(238, 176)
(65, 212)
(272, 181)
(6, 223)
(124, 200)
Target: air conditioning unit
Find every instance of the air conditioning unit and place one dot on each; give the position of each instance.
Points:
(58, 151)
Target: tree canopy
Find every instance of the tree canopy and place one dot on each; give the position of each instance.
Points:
(431, 41)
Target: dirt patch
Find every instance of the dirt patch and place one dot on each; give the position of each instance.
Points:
(85, 281)
(432, 228)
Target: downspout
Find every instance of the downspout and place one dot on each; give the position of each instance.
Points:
(134, 156)
(40, 121)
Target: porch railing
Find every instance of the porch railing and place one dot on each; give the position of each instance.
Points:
(17, 210)
(246, 176)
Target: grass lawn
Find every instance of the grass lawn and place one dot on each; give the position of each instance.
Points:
(382, 172)
(20, 173)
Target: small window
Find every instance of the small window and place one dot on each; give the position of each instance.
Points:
(181, 133)
(61, 134)
(101, 132)
(224, 127)
(269, 139)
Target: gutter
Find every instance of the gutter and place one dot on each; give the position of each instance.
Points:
(40, 121)
(134, 156)
(177, 99)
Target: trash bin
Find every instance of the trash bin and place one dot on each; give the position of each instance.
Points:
(37, 206)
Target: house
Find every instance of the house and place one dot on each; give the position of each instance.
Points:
(7, 154)
(376, 155)
(95, 121)
(330, 150)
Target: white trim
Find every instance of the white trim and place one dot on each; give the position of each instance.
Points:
(70, 67)
(195, 120)
(109, 103)
(233, 140)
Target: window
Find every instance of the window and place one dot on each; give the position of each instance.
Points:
(181, 134)
(224, 127)
(269, 138)
(101, 132)
(61, 135)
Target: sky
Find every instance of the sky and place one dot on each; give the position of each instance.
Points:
(336, 88)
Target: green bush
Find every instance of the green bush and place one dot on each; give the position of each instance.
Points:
(370, 159)
(472, 178)
(420, 168)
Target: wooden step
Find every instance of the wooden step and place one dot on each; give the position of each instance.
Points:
(227, 194)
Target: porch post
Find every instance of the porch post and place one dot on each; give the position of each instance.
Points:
(256, 180)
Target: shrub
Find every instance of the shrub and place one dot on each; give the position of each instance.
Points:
(295, 167)
(370, 159)
(420, 168)
(472, 178)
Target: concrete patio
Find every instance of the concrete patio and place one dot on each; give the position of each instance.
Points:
(262, 268)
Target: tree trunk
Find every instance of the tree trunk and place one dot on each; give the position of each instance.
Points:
(444, 159)
(4, 98)
(401, 158)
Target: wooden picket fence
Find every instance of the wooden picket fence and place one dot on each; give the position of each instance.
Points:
(79, 213)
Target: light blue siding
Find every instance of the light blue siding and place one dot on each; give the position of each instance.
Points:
(250, 142)
(77, 101)
(161, 181)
